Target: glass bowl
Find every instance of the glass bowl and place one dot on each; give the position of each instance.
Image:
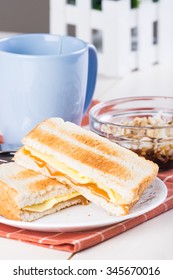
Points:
(141, 124)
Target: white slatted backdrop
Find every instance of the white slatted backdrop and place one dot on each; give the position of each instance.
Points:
(132, 39)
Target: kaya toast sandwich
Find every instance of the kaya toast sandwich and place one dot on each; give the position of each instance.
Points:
(26, 195)
(105, 173)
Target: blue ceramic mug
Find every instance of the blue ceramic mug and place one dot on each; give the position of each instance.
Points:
(43, 76)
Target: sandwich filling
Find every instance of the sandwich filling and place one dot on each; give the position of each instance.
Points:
(59, 169)
(50, 203)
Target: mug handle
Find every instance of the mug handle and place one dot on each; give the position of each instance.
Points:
(92, 75)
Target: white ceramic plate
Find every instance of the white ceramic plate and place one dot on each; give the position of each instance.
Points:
(78, 218)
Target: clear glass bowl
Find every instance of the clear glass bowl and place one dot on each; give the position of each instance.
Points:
(141, 124)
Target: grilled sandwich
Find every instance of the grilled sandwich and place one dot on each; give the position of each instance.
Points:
(105, 173)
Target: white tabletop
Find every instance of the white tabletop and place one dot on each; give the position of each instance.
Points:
(150, 240)
(17, 250)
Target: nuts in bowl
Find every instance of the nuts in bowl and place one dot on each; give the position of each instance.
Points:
(141, 124)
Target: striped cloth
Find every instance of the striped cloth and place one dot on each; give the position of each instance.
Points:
(77, 241)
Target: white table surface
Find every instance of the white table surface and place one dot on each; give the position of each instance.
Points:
(150, 240)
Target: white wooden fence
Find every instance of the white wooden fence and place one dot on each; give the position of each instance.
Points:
(132, 39)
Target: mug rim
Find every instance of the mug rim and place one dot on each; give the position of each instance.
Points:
(43, 35)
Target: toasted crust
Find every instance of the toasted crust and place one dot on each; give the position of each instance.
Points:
(87, 157)
(42, 185)
(24, 174)
(8, 206)
(38, 184)
(85, 138)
